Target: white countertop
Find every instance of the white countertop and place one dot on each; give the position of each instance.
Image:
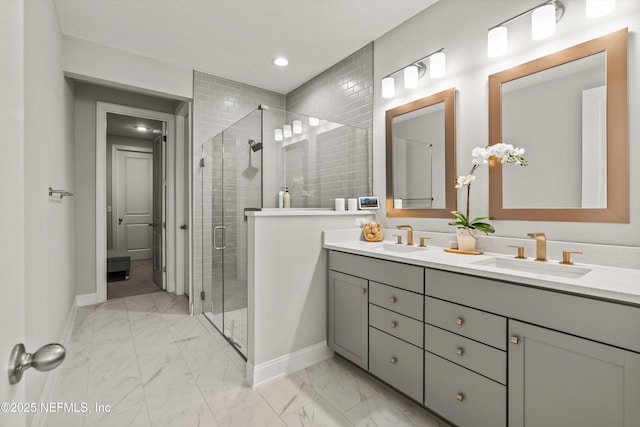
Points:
(305, 212)
(610, 283)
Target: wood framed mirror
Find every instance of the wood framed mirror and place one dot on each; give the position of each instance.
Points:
(568, 110)
(420, 155)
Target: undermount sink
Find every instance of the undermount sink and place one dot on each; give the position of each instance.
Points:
(548, 268)
(401, 248)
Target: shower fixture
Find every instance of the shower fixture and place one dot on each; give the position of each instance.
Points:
(255, 146)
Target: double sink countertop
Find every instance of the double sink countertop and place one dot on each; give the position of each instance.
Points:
(621, 285)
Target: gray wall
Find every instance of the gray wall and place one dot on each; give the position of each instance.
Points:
(48, 161)
(111, 141)
(86, 96)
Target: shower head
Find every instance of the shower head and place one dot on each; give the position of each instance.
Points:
(255, 146)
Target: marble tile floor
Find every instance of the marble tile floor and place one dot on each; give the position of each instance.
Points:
(155, 365)
(235, 326)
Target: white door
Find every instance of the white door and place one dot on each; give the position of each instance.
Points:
(134, 203)
(159, 180)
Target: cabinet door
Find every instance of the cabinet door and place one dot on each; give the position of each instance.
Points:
(557, 379)
(348, 319)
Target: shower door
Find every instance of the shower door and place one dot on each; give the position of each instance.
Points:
(237, 186)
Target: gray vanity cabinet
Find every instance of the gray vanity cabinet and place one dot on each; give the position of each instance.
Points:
(348, 317)
(557, 379)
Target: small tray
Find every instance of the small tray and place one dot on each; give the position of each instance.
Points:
(458, 251)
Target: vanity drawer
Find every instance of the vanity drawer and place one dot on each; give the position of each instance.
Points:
(398, 300)
(400, 326)
(396, 362)
(477, 325)
(409, 277)
(478, 357)
(462, 396)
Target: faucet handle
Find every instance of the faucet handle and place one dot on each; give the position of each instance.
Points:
(520, 251)
(566, 257)
(536, 234)
(399, 237)
(422, 239)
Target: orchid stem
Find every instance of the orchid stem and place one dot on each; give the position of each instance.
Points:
(473, 169)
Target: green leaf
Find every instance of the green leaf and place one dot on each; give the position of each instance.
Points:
(484, 227)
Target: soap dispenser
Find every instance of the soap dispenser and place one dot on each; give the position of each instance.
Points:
(286, 198)
(281, 198)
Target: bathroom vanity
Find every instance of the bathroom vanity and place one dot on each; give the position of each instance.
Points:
(484, 343)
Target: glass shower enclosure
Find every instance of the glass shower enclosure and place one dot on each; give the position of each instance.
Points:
(242, 168)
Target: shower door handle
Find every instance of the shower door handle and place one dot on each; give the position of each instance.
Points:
(224, 237)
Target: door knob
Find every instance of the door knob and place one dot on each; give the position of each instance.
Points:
(47, 357)
(151, 225)
(119, 221)
(183, 227)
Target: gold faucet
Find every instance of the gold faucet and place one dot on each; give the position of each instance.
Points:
(409, 233)
(541, 245)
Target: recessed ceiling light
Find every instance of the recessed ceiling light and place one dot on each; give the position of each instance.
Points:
(141, 128)
(281, 61)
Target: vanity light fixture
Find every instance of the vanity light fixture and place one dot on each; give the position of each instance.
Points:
(297, 126)
(411, 76)
(414, 71)
(543, 24)
(497, 41)
(314, 121)
(278, 135)
(141, 128)
(598, 8)
(388, 87)
(286, 130)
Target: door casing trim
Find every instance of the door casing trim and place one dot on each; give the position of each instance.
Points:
(102, 108)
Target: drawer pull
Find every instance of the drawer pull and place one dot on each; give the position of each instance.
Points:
(393, 324)
(363, 291)
(393, 360)
(392, 300)
(459, 321)
(460, 397)
(514, 340)
(459, 351)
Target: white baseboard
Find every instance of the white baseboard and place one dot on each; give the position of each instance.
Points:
(86, 299)
(40, 417)
(287, 364)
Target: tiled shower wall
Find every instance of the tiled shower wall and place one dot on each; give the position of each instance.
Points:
(218, 104)
(342, 94)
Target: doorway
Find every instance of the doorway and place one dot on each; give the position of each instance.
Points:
(164, 246)
(135, 205)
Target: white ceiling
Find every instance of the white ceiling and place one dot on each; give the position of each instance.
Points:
(237, 39)
(120, 125)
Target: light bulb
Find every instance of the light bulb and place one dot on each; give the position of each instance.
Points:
(497, 41)
(388, 87)
(286, 130)
(543, 22)
(297, 126)
(437, 65)
(278, 134)
(598, 8)
(411, 76)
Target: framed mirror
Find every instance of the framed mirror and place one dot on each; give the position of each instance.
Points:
(568, 110)
(420, 151)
